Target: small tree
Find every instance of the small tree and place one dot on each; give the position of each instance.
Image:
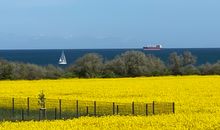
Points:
(175, 63)
(190, 70)
(135, 63)
(188, 58)
(115, 67)
(90, 65)
(216, 68)
(53, 72)
(155, 66)
(41, 99)
(5, 69)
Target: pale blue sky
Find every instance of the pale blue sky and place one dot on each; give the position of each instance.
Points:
(87, 24)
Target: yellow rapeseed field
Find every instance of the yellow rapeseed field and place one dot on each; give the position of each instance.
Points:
(197, 100)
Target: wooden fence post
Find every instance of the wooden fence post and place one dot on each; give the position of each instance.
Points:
(28, 106)
(44, 113)
(13, 108)
(153, 107)
(39, 114)
(55, 113)
(60, 109)
(173, 107)
(146, 109)
(117, 110)
(94, 108)
(113, 108)
(77, 108)
(22, 114)
(132, 108)
(87, 110)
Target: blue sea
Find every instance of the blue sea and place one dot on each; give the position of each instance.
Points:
(45, 57)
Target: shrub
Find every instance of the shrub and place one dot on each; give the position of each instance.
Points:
(135, 63)
(5, 69)
(89, 66)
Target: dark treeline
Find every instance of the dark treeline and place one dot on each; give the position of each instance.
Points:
(128, 64)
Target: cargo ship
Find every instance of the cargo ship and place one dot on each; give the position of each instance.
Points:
(153, 47)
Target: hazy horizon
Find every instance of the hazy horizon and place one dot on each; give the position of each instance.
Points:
(98, 24)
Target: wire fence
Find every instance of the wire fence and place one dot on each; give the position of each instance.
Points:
(16, 109)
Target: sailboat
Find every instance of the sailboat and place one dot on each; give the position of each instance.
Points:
(62, 60)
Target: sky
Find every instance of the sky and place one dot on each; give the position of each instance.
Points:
(97, 24)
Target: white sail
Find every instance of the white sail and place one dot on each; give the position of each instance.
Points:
(62, 60)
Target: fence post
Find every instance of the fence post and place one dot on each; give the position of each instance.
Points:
(132, 108)
(153, 107)
(77, 108)
(60, 109)
(146, 109)
(13, 108)
(173, 107)
(87, 110)
(43, 113)
(113, 108)
(117, 110)
(28, 106)
(39, 114)
(22, 114)
(55, 113)
(94, 108)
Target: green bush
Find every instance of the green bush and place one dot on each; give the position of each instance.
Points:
(90, 65)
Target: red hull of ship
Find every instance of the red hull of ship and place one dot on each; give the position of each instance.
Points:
(153, 49)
